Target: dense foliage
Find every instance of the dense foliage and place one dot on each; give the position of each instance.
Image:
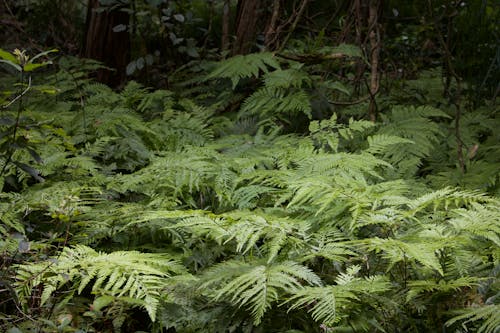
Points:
(252, 195)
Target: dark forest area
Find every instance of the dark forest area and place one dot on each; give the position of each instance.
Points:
(249, 166)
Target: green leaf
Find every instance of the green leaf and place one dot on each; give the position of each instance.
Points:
(14, 330)
(8, 56)
(337, 86)
(42, 54)
(29, 67)
(101, 302)
(10, 63)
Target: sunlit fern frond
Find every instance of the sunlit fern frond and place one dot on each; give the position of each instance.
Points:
(326, 303)
(140, 276)
(256, 285)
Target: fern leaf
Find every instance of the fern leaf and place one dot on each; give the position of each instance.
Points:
(488, 314)
(138, 275)
(256, 286)
(325, 302)
(244, 66)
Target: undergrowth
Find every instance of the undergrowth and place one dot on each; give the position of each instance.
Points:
(145, 210)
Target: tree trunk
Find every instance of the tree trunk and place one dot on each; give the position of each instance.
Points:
(103, 43)
(246, 25)
(271, 35)
(225, 25)
(374, 38)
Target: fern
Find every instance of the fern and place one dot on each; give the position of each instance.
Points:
(415, 125)
(244, 66)
(324, 302)
(276, 101)
(419, 287)
(328, 134)
(342, 224)
(396, 251)
(488, 314)
(256, 285)
(140, 276)
(480, 220)
(446, 197)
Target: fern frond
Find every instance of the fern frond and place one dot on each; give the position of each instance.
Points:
(480, 220)
(247, 229)
(446, 197)
(325, 303)
(380, 143)
(396, 251)
(274, 101)
(275, 232)
(140, 276)
(155, 103)
(421, 286)
(287, 78)
(254, 285)
(415, 125)
(244, 66)
(488, 314)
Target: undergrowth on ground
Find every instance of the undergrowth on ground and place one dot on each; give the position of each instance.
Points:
(156, 210)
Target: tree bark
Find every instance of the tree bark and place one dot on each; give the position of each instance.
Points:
(102, 43)
(271, 35)
(246, 26)
(225, 25)
(374, 38)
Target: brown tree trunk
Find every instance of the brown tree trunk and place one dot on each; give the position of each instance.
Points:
(365, 19)
(271, 35)
(105, 44)
(374, 38)
(225, 25)
(246, 25)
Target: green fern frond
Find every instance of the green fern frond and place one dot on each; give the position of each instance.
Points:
(102, 95)
(244, 66)
(246, 197)
(415, 125)
(140, 276)
(132, 94)
(444, 198)
(214, 228)
(423, 252)
(274, 101)
(274, 231)
(287, 78)
(173, 174)
(247, 229)
(155, 103)
(330, 135)
(326, 302)
(328, 247)
(487, 314)
(381, 143)
(418, 287)
(254, 285)
(8, 215)
(480, 220)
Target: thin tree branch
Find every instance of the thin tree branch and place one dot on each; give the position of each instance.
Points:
(359, 100)
(303, 6)
(271, 34)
